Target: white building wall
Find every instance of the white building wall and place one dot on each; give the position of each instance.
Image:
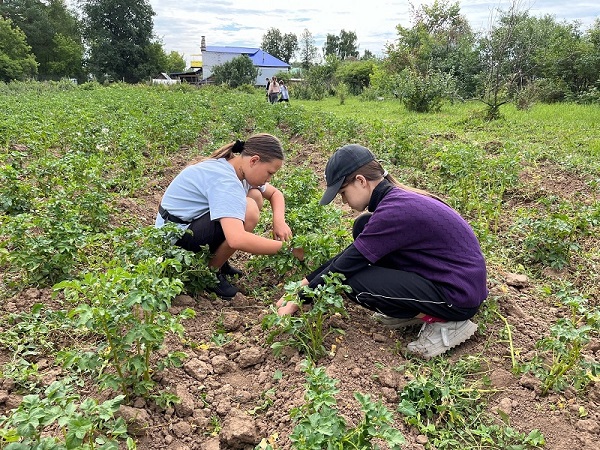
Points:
(267, 72)
(212, 59)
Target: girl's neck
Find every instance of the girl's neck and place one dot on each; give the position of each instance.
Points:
(236, 162)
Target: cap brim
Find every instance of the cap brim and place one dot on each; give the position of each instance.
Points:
(331, 192)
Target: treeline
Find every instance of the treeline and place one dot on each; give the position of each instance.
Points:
(109, 39)
(520, 58)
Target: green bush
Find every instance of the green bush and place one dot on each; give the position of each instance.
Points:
(424, 93)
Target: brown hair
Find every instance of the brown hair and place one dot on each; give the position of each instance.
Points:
(267, 146)
(373, 171)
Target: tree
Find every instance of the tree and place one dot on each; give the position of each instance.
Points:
(67, 57)
(343, 46)
(278, 45)
(272, 42)
(53, 33)
(175, 62)
(368, 54)
(332, 44)
(16, 59)
(347, 47)
(500, 64)
(440, 40)
(119, 36)
(289, 47)
(308, 50)
(236, 72)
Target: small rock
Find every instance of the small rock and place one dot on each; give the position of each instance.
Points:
(223, 407)
(389, 394)
(530, 382)
(139, 403)
(182, 429)
(197, 369)
(138, 420)
(239, 430)
(250, 357)
(505, 405)
(185, 407)
(389, 378)
(184, 301)
(221, 364)
(422, 439)
(378, 337)
(232, 321)
(588, 425)
(8, 384)
(516, 280)
(211, 444)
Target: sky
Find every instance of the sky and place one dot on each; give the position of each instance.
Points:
(243, 23)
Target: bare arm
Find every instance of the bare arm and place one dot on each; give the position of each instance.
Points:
(240, 239)
(281, 229)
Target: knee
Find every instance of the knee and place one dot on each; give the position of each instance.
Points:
(252, 214)
(256, 195)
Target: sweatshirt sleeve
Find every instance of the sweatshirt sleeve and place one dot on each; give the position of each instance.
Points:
(348, 263)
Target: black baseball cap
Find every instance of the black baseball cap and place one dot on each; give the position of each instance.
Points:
(342, 163)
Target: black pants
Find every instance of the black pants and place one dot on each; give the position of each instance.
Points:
(398, 293)
(202, 231)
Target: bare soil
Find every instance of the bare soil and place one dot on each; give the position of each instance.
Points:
(225, 403)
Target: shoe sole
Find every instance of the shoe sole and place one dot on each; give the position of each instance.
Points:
(438, 349)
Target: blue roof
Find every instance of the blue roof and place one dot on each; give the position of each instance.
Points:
(259, 58)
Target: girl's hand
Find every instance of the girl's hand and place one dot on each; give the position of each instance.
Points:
(282, 231)
(298, 252)
(289, 308)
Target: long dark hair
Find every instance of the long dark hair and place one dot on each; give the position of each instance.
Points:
(265, 145)
(374, 171)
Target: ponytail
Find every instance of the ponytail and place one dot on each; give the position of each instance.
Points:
(267, 146)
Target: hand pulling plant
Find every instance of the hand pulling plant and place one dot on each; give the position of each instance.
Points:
(306, 330)
(129, 309)
(319, 424)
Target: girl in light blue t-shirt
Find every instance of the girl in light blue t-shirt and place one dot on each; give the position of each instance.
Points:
(219, 200)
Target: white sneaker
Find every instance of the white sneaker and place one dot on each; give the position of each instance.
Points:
(439, 337)
(394, 322)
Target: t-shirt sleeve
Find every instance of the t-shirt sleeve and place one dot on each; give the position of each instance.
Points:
(227, 199)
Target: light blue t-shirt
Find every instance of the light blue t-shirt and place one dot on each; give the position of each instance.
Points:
(210, 186)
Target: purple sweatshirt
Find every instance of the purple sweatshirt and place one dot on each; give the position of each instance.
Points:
(420, 234)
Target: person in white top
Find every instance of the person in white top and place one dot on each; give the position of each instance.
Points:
(283, 90)
(219, 200)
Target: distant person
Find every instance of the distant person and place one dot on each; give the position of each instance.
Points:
(414, 259)
(273, 90)
(219, 200)
(283, 90)
(268, 81)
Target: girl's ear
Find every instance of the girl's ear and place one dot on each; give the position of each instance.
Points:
(254, 159)
(362, 180)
